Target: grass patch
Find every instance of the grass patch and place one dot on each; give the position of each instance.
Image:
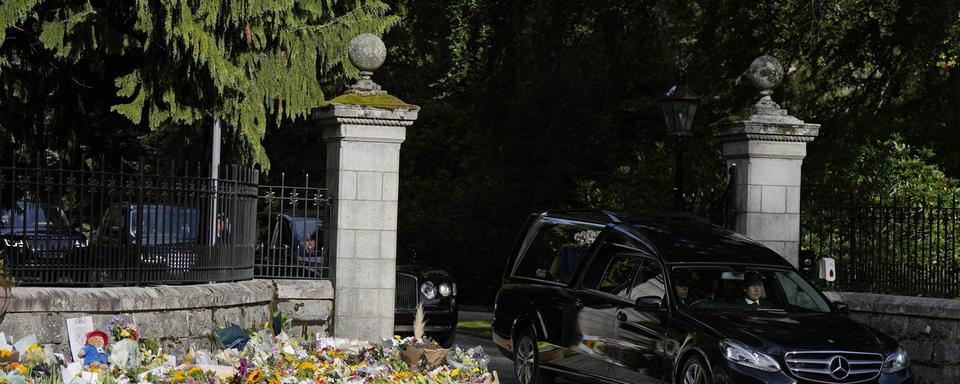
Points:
(477, 326)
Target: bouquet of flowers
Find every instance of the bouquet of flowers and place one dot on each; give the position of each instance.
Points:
(121, 329)
(468, 359)
(34, 355)
(414, 351)
(7, 354)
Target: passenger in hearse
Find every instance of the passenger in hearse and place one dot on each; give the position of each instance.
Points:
(683, 290)
(753, 290)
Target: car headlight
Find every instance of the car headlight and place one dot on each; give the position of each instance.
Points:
(445, 289)
(747, 357)
(454, 289)
(13, 243)
(428, 290)
(896, 362)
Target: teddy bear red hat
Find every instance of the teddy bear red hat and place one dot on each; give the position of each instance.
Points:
(103, 335)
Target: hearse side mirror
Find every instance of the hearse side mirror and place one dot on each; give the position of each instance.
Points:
(842, 308)
(650, 303)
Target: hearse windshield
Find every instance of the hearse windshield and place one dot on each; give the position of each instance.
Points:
(726, 289)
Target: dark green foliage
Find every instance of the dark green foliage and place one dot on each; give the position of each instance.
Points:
(548, 104)
(98, 73)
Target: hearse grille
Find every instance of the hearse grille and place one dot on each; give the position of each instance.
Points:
(834, 366)
(406, 292)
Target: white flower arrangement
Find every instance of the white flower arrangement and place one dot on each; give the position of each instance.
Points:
(586, 237)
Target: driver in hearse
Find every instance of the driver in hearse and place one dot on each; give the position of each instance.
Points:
(753, 290)
(682, 286)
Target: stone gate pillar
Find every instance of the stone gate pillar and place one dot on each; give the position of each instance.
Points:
(363, 130)
(767, 147)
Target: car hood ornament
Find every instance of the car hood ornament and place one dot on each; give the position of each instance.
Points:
(839, 367)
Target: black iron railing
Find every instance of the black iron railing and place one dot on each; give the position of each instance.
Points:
(291, 240)
(717, 206)
(138, 223)
(894, 246)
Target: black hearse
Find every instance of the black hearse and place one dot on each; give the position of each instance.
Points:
(605, 297)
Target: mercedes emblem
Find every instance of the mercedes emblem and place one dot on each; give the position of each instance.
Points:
(839, 367)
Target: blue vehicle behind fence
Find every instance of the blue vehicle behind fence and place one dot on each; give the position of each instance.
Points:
(35, 234)
(295, 248)
(151, 239)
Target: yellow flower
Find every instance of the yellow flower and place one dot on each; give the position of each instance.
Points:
(404, 375)
(454, 373)
(124, 333)
(22, 368)
(194, 371)
(307, 365)
(255, 376)
(178, 376)
(476, 370)
(275, 379)
(5, 353)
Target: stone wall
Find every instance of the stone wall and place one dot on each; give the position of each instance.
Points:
(928, 328)
(178, 316)
(309, 303)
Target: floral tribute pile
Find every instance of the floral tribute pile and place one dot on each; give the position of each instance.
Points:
(266, 359)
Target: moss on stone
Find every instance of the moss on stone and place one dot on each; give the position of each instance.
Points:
(377, 101)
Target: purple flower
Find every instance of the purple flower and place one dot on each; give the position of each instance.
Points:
(242, 368)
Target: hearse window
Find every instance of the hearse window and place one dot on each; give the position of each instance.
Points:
(557, 250)
(713, 288)
(649, 280)
(797, 296)
(613, 244)
(618, 275)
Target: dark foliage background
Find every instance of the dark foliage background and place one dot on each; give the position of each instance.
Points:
(549, 104)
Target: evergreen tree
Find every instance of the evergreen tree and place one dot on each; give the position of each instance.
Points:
(68, 69)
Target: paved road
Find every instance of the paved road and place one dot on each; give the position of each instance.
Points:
(498, 361)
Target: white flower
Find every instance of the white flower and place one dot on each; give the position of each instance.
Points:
(586, 237)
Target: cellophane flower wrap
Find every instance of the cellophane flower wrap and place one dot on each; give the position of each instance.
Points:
(121, 329)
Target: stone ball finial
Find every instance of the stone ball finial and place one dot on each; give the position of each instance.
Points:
(765, 73)
(367, 52)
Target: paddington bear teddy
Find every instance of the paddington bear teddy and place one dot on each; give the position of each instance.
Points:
(94, 353)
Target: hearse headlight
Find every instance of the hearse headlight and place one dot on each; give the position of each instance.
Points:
(14, 243)
(445, 289)
(428, 290)
(896, 362)
(740, 354)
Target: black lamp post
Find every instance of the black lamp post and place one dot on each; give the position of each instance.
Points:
(679, 106)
